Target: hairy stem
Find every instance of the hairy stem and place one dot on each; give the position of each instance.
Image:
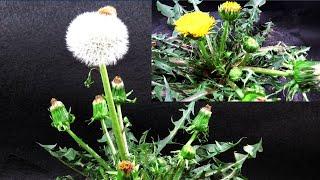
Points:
(122, 127)
(271, 72)
(88, 149)
(109, 141)
(113, 113)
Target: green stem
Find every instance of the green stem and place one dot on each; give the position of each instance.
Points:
(122, 127)
(271, 72)
(109, 140)
(224, 37)
(113, 113)
(179, 171)
(88, 149)
(209, 44)
(203, 49)
(192, 138)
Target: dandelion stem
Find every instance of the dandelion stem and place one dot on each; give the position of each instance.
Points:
(271, 72)
(122, 127)
(224, 37)
(179, 171)
(109, 141)
(192, 138)
(203, 49)
(113, 114)
(88, 149)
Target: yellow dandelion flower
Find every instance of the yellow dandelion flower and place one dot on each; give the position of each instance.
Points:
(229, 11)
(196, 24)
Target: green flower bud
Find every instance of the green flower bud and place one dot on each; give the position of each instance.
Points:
(100, 108)
(187, 152)
(61, 118)
(307, 73)
(118, 90)
(201, 121)
(229, 11)
(250, 45)
(235, 74)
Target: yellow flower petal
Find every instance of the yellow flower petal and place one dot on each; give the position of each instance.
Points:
(196, 24)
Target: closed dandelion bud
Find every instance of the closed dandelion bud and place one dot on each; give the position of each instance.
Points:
(118, 90)
(100, 108)
(229, 11)
(187, 152)
(126, 167)
(307, 73)
(235, 74)
(61, 118)
(200, 123)
(250, 45)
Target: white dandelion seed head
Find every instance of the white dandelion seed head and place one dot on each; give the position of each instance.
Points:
(95, 38)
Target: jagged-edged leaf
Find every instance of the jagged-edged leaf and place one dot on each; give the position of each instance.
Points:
(210, 150)
(143, 137)
(102, 139)
(255, 3)
(179, 124)
(70, 154)
(48, 147)
(165, 9)
(252, 150)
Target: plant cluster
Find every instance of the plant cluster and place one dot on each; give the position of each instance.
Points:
(121, 156)
(225, 59)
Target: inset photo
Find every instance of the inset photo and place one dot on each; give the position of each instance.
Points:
(255, 51)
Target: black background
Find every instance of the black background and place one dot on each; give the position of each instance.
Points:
(35, 66)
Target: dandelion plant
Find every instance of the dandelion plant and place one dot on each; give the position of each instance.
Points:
(224, 58)
(100, 39)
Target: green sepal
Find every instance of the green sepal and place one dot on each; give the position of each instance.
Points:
(187, 152)
(100, 110)
(61, 118)
(250, 45)
(304, 74)
(201, 121)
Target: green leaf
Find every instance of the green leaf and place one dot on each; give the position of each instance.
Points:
(252, 150)
(195, 1)
(180, 124)
(255, 3)
(48, 147)
(143, 137)
(70, 154)
(165, 9)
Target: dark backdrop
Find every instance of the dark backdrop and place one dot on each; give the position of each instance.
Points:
(35, 66)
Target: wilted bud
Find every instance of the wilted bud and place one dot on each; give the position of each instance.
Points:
(118, 90)
(100, 108)
(108, 10)
(61, 118)
(200, 123)
(126, 167)
(235, 74)
(187, 152)
(250, 45)
(307, 73)
(229, 11)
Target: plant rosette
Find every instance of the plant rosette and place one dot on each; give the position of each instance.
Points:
(100, 39)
